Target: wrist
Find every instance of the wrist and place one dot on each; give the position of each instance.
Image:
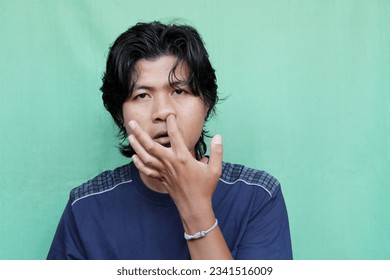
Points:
(197, 220)
(200, 234)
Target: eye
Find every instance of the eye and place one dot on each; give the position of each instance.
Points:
(179, 91)
(141, 96)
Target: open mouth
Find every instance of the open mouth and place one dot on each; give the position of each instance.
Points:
(163, 140)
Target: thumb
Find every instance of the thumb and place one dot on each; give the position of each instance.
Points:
(216, 153)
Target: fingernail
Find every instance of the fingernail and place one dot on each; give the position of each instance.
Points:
(217, 139)
(131, 139)
(132, 124)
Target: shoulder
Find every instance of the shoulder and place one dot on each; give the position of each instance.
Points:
(236, 173)
(105, 181)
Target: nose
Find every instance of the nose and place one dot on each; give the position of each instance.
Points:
(162, 108)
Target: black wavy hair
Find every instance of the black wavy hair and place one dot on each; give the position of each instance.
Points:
(150, 41)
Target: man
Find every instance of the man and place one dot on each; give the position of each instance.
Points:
(171, 202)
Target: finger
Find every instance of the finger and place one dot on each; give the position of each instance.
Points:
(216, 153)
(146, 158)
(146, 143)
(175, 136)
(150, 172)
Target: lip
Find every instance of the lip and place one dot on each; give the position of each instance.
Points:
(162, 133)
(163, 139)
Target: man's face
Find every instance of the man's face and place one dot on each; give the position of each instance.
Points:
(153, 99)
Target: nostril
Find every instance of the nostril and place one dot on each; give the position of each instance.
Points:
(162, 115)
(163, 107)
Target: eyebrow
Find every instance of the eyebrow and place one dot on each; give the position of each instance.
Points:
(149, 88)
(179, 83)
(138, 87)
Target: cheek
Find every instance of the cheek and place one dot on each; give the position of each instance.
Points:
(140, 114)
(195, 127)
(127, 115)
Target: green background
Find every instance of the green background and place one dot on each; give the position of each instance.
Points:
(307, 86)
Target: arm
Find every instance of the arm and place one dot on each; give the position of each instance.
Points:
(189, 182)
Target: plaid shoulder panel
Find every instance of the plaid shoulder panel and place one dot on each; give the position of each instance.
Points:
(232, 173)
(101, 183)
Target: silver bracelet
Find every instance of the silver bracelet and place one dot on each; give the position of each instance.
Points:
(200, 234)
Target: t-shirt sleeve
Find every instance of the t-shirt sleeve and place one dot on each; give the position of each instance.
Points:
(267, 234)
(66, 244)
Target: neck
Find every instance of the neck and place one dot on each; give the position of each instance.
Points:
(153, 184)
(156, 185)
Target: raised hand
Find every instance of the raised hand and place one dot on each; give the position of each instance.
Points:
(190, 183)
(171, 166)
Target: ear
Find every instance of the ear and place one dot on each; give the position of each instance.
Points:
(118, 118)
(207, 112)
(207, 107)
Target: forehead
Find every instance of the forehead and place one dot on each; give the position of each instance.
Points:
(163, 68)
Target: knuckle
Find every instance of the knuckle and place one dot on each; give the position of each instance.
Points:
(218, 152)
(149, 146)
(148, 172)
(173, 133)
(148, 160)
(182, 158)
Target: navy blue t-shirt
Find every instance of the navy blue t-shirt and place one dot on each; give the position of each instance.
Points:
(116, 216)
